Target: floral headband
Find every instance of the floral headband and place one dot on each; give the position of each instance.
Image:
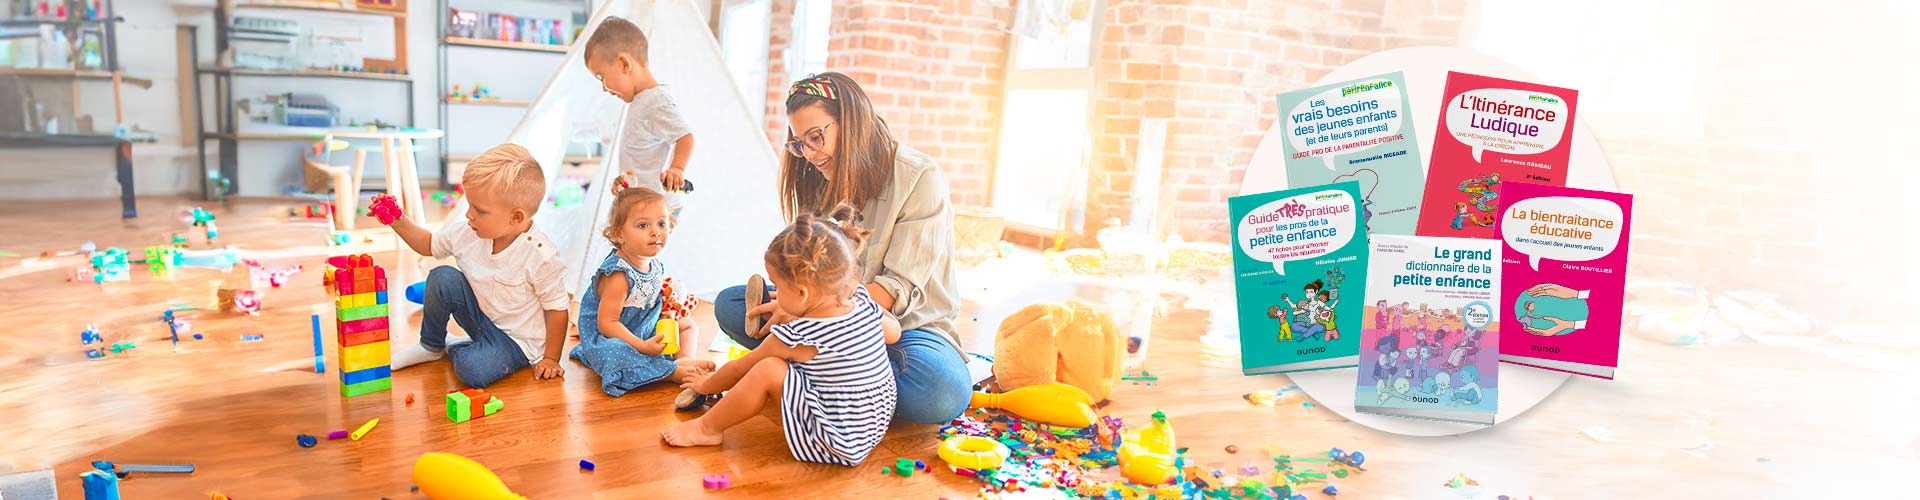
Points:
(817, 86)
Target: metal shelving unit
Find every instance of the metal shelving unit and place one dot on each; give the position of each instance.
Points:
(444, 83)
(226, 123)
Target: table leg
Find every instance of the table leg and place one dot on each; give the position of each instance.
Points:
(123, 170)
(410, 178)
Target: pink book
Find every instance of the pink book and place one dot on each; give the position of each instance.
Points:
(1492, 131)
(1563, 277)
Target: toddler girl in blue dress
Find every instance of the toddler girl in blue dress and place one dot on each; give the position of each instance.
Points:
(618, 313)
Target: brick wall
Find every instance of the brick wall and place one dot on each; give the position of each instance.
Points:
(933, 70)
(779, 39)
(1212, 68)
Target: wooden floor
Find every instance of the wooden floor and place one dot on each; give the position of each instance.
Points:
(1730, 421)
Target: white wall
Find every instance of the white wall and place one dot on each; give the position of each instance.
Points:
(169, 166)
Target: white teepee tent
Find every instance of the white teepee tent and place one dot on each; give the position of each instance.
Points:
(732, 214)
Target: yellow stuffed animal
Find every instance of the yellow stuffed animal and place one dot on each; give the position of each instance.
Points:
(1070, 343)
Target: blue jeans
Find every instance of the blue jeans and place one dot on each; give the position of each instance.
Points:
(933, 382)
(491, 356)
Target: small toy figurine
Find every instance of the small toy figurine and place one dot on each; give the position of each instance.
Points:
(385, 208)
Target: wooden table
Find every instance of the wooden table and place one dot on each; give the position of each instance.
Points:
(122, 156)
(403, 173)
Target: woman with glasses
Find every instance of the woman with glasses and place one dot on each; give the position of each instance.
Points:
(840, 151)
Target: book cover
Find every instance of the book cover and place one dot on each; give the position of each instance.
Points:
(1299, 259)
(1430, 347)
(1358, 130)
(1565, 272)
(1492, 130)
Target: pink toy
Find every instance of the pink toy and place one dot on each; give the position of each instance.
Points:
(246, 301)
(715, 481)
(385, 208)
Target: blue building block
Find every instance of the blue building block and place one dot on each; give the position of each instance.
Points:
(380, 297)
(100, 485)
(417, 293)
(363, 375)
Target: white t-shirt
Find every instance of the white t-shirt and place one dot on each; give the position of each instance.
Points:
(516, 286)
(646, 143)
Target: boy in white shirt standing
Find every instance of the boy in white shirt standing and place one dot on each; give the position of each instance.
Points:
(508, 290)
(654, 143)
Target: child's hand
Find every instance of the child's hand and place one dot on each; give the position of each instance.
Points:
(385, 208)
(777, 316)
(672, 178)
(548, 368)
(695, 379)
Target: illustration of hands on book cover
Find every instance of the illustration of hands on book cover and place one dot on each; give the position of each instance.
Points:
(1491, 131)
(1299, 261)
(1430, 348)
(1358, 130)
(1565, 267)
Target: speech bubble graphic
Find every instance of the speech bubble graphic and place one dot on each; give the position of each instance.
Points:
(1298, 228)
(1507, 120)
(1562, 228)
(1345, 120)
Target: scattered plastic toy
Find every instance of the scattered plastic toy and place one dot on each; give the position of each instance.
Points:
(364, 429)
(409, 399)
(584, 464)
(251, 338)
(385, 208)
(306, 441)
(1330, 490)
(199, 337)
(1231, 449)
(715, 481)
(90, 335)
(338, 434)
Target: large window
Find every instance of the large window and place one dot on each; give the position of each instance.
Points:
(1039, 177)
(808, 53)
(744, 30)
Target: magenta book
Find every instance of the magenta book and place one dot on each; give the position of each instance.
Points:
(1563, 276)
(1492, 131)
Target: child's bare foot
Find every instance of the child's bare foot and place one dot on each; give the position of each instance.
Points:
(690, 433)
(700, 364)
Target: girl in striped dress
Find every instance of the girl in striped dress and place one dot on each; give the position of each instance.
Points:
(828, 372)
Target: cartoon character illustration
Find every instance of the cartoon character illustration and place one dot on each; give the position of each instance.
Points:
(1556, 326)
(1366, 200)
(1469, 391)
(1286, 327)
(1324, 316)
(1483, 193)
(1308, 311)
(1463, 352)
(1442, 386)
(1527, 320)
(1461, 218)
(1380, 313)
(1414, 369)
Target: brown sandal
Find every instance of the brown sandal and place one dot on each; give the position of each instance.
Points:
(756, 295)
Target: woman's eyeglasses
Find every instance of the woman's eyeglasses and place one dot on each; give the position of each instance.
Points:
(813, 139)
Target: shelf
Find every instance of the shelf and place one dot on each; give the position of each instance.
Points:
(461, 158)
(492, 102)
(58, 73)
(317, 6)
(496, 44)
(308, 73)
(28, 21)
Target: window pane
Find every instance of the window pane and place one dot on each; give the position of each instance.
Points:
(1042, 154)
(1053, 34)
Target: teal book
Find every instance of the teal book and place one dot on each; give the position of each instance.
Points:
(1358, 130)
(1300, 267)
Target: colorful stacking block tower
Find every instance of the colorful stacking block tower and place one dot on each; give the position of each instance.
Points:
(468, 404)
(360, 304)
(109, 265)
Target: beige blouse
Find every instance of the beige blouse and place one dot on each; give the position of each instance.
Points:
(910, 250)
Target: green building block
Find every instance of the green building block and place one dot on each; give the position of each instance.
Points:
(360, 313)
(460, 407)
(368, 387)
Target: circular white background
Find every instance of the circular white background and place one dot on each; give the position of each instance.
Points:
(1426, 76)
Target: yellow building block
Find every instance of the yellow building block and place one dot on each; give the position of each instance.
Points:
(364, 356)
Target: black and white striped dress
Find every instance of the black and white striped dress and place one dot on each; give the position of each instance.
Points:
(836, 406)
